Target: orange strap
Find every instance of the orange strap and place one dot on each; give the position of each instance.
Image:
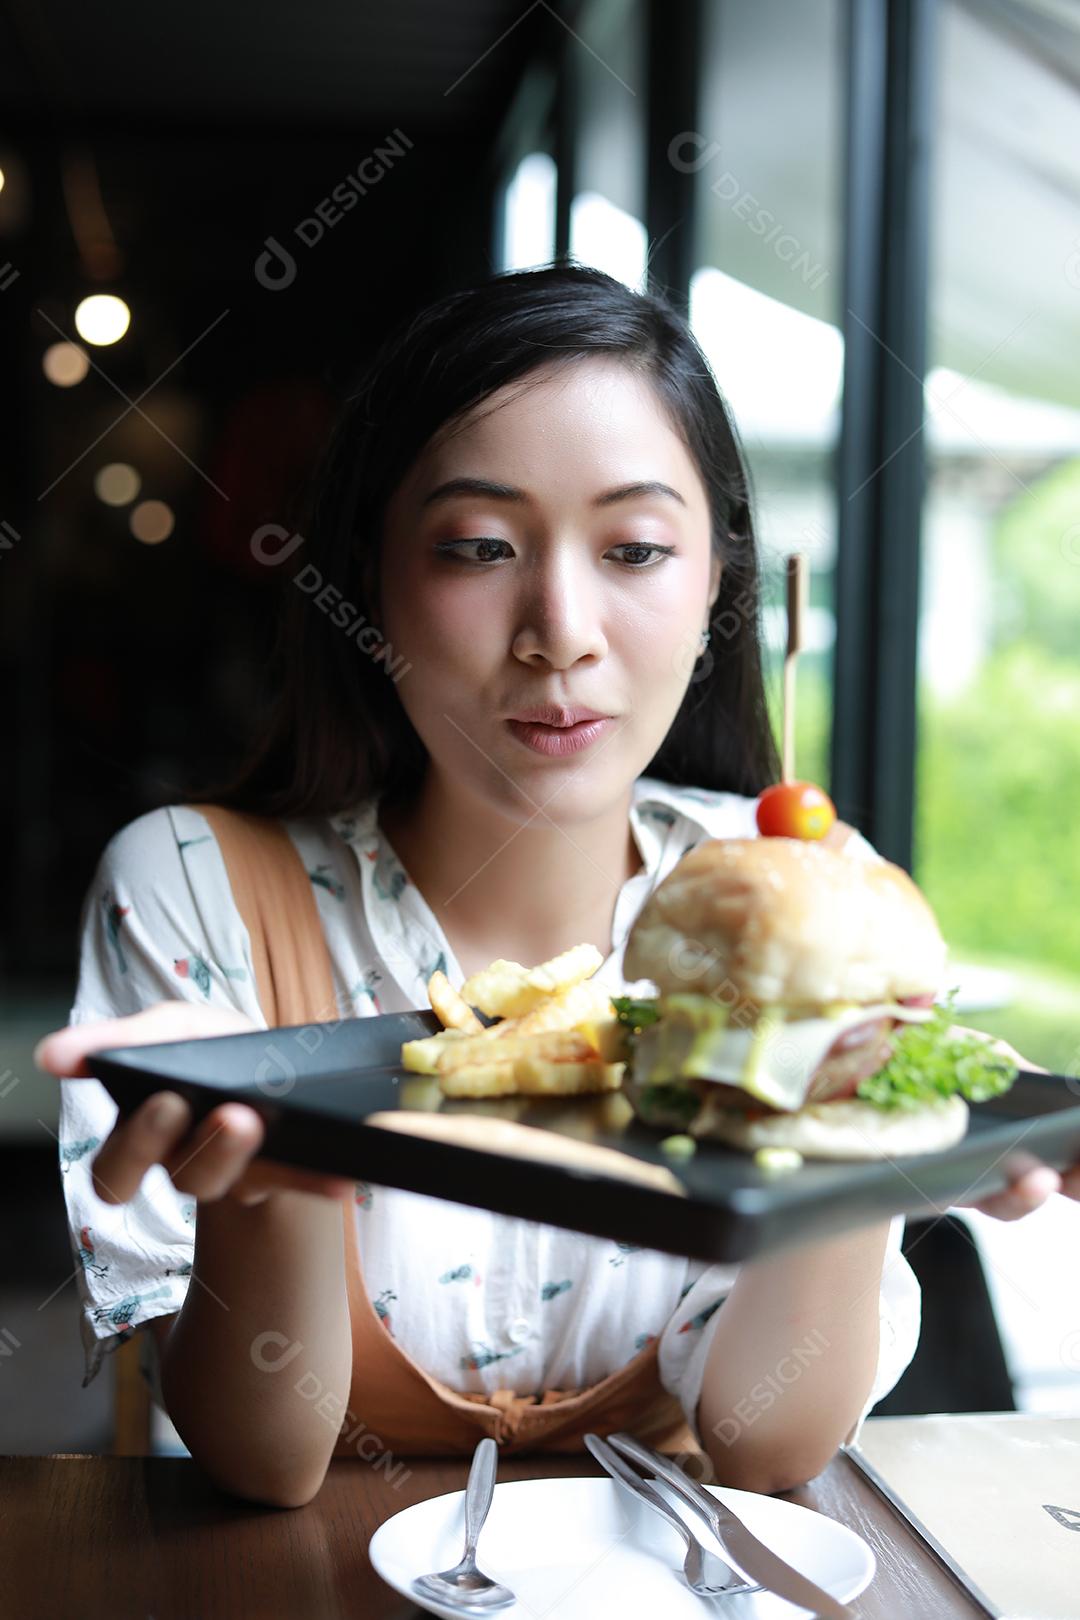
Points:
(274, 896)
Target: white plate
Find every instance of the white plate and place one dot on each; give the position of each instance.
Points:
(575, 1548)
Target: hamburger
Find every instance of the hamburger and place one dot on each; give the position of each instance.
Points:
(796, 1006)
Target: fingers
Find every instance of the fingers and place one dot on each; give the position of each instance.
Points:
(996, 1045)
(139, 1141)
(1029, 1192)
(1003, 1049)
(211, 1160)
(63, 1052)
(214, 1156)
(204, 1162)
(1070, 1182)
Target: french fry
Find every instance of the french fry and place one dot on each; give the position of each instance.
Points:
(480, 1080)
(535, 1077)
(570, 967)
(557, 1046)
(608, 1036)
(501, 990)
(532, 1076)
(576, 1005)
(506, 989)
(453, 1010)
(421, 1056)
(557, 1035)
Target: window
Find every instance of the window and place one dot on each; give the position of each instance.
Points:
(608, 238)
(998, 767)
(528, 226)
(999, 654)
(606, 77)
(765, 300)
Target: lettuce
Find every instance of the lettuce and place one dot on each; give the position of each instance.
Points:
(930, 1064)
(635, 1014)
(673, 1105)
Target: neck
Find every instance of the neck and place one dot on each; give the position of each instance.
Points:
(521, 886)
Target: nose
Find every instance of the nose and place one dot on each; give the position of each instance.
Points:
(560, 617)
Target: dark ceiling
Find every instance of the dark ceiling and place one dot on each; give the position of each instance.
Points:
(161, 146)
(426, 63)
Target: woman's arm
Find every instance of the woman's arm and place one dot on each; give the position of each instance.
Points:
(792, 1361)
(260, 1353)
(256, 1367)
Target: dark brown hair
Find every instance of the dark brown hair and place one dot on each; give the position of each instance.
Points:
(337, 731)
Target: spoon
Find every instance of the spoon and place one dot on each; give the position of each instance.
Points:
(465, 1584)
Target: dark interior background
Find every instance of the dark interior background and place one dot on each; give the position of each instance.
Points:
(204, 130)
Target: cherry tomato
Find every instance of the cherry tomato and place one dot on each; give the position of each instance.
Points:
(795, 810)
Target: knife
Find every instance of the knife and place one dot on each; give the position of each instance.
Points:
(631, 1481)
(753, 1557)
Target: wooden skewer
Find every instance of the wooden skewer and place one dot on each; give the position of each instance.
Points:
(798, 590)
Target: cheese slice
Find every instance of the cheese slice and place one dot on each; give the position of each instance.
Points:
(774, 1060)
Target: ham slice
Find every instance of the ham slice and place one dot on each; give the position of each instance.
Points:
(857, 1054)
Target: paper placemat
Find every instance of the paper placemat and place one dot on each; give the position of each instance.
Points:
(996, 1494)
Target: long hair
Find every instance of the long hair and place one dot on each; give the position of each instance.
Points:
(337, 731)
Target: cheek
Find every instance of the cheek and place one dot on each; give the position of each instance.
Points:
(655, 627)
(438, 626)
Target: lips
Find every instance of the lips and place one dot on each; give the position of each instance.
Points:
(558, 741)
(551, 714)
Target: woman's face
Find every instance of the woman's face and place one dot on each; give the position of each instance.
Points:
(555, 585)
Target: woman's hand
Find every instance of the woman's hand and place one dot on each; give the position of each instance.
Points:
(213, 1160)
(1030, 1189)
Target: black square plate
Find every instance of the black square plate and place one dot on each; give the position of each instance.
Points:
(315, 1085)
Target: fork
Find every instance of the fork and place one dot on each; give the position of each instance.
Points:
(705, 1573)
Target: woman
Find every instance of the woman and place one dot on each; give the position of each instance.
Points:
(538, 501)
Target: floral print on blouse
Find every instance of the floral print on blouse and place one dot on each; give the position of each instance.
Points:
(480, 1300)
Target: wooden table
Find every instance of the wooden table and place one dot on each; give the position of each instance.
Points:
(118, 1538)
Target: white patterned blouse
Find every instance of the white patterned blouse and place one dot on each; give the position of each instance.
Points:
(480, 1300)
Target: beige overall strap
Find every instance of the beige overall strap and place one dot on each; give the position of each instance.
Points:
(274, 896)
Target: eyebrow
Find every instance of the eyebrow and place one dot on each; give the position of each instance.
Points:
(507, 492)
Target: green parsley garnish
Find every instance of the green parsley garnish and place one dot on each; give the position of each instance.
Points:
(668, 1104)
(929, 1064)
(635, 1014)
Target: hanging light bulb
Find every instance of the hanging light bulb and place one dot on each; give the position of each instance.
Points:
(65, 364)
(116, 484)
(151, 522)
(102, 319)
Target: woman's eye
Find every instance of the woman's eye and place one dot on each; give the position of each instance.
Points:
(641, 553)
(449, 548)
(640, 546)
